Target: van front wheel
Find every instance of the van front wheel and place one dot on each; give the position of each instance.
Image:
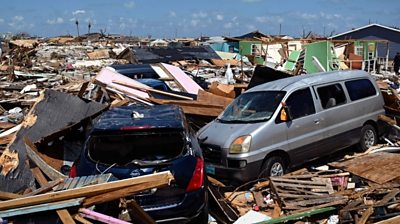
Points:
(273, 166)
(368, 137)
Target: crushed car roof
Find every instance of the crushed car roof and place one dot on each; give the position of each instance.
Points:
(141, 118)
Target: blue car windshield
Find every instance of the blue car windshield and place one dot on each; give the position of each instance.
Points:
(252, 107)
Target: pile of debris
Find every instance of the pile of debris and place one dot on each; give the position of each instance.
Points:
(362, 188)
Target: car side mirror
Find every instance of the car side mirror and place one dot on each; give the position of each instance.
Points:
(285, 114)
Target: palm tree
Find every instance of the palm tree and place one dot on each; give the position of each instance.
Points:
(89, 26)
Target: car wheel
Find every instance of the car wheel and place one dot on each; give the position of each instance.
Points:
(368, 137)
(273, 166)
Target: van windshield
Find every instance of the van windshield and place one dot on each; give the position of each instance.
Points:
(252, 107)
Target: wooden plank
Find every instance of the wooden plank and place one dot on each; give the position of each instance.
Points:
(40, 178)
(303, 186)
(65, 217)
(120, 193)
(100, 217)
(48, 170)
(299, 182)
(365, 215)
(45, 188)
(314, 201)
(8, 195)
(137, 214)
(6, 125)
(83, 89)
(41, 207)
(82, 220)
(88, 191)
(388, 197)
(394, 220)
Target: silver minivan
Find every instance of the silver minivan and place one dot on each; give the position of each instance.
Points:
(290, 121)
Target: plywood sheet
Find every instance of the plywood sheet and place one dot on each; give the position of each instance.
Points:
(377, 167)
(182, 78)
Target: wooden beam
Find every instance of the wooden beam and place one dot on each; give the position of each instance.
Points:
(9, 196)
(89, 191)
(40, 178)
(45, 188)
(65, 217)
(366, 214)
(31, 150)
(121, 193)
(82, 220)
(41, 207)
(137, 214)
(100, 217)
(394, 220)
(83, 89)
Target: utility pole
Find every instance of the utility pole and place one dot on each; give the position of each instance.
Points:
(77, 26)
(280, 28)
(89, 26)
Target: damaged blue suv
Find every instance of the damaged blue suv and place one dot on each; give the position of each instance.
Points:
(136, 140)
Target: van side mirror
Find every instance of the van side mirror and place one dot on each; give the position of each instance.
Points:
(285, 114)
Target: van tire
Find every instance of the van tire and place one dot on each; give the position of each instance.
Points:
(273, 166)
(368, 138)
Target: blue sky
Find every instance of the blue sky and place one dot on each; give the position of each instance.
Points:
(167, 18)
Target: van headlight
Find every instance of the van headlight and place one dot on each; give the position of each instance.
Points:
(241, 144)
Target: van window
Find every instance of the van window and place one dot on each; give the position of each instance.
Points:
(359, 89)
(301, 103)
(252, 107)
(331, 96)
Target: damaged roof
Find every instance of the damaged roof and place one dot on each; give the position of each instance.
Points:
(167, 54)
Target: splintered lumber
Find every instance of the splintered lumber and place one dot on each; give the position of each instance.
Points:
(8, 161)
(377, 167)
(41, 207)
(145, 181)
(137, 214)
(100, 217)
(53, 115)
(31, 150)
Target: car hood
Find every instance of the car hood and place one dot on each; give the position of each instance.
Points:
(223, 134)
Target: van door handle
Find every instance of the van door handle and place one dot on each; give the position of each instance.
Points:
(316, 121)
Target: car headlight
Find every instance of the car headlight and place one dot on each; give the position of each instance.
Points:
(241, 144)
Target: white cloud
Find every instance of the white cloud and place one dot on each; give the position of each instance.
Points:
(234, 18)
(228, 25)
(2, 20)
(269, 19)
(77, 12)
(219, 17)
(172, 14)
(130, 4)
(308, 16)
(194, 22)
(199, 14)
(18, 18)
(58, 20)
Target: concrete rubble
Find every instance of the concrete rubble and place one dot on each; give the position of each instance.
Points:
(51, 88)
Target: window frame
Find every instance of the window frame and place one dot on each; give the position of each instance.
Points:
(323, 107)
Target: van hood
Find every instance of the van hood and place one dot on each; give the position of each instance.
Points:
(223, 134)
